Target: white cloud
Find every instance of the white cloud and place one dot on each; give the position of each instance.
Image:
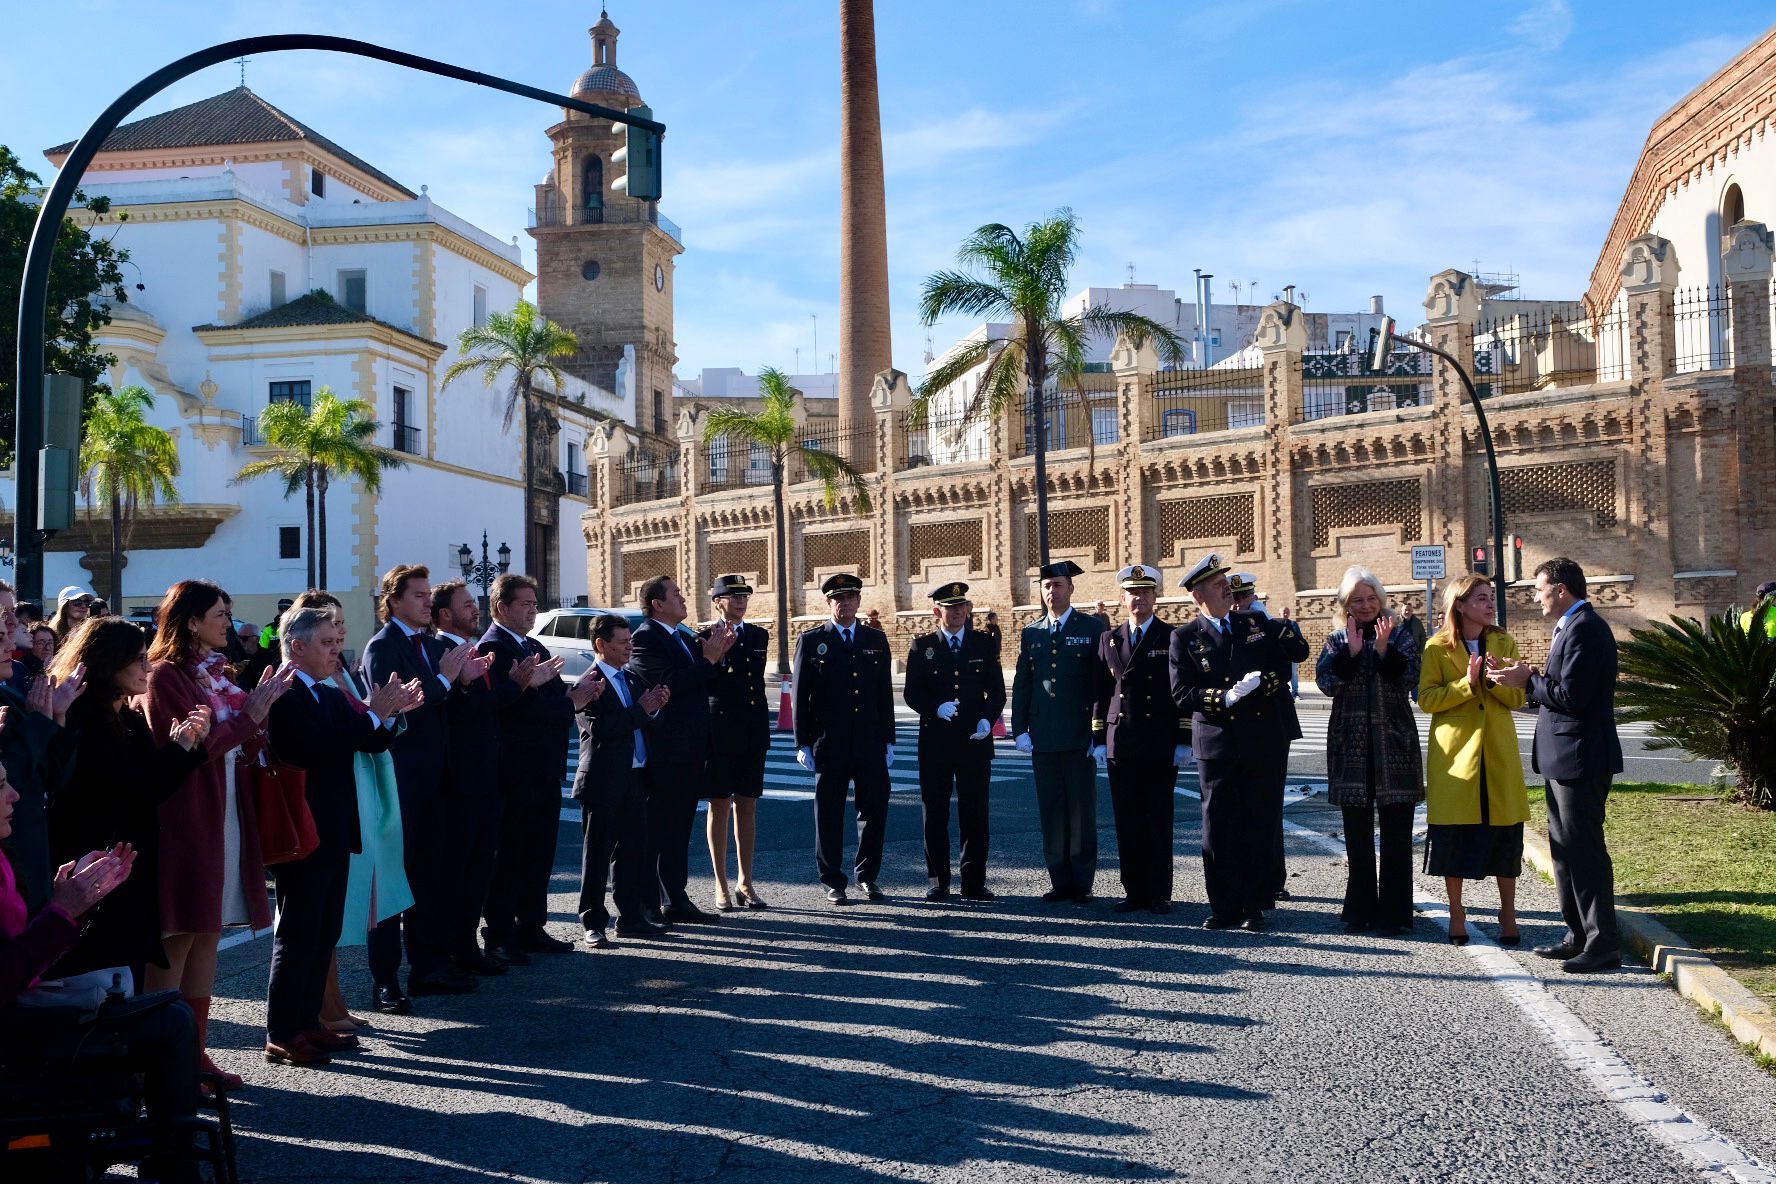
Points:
(1544, 26)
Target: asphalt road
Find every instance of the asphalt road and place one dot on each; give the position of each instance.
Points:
(1015, 1041)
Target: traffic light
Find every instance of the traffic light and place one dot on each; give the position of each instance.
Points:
(1481, 566)
(1516, 558)
(641, 152)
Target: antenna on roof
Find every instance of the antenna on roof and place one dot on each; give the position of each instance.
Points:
(1131, 268)
(242, 63)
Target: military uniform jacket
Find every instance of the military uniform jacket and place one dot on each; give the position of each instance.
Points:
(739, 721)
(1205, 663)
(1053, 691)
(935, 676)
(1135, 715)
(844, 695)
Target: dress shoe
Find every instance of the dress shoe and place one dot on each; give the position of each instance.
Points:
(837, 896)
(871, 890)
(689, 914)
(390, 1000)
(1391, 930)
(298, 1050)
(1283, 894)
(724, 901)
(441, 982)
(597, 940)
(1128, 904)
(332, 1042)
(1082, 898)
(478, 963)
(938, 892)
(1458, 939)
(1591, 963)
(653, 916)
(509, 954)
(982, 894)
(538, 942)
(636, 927)
(1560, 951)
(1215, 922)
(1254, 923)
(1055, 896)
(1162, 907)
(749, 898)
(1358, 926)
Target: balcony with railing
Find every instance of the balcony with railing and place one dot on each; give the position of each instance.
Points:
(561, 215)
(577, 482)
(406, 439)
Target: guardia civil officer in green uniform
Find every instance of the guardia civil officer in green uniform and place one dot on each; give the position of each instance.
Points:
(1138, 729)
(844, 734)
(955, 683)
(1230, 670)
(1052, 694)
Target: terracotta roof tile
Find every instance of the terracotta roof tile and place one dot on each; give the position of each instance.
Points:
(316, 308)
(234, 117)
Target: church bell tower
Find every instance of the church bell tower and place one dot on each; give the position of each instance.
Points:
(605, 259)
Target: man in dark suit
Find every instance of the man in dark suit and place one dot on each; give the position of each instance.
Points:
(533, 764)
(1230, 671)
(1051, 710)
(1142, 735)
(471, 771)
(435, 827)
(1245, 600)
(615, 732)
(315, 728)
(665, 655)
(1578, 752)
(844, 734)
(955, 683)
(739, 740)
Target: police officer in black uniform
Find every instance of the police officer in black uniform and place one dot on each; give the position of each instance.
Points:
(955, 683)
(1139, 731)
(1231, 670)
(844, 733)
(1245, 600)
(739, 738)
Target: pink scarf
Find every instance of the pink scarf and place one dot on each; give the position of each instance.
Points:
(226, 699)
(12, 905)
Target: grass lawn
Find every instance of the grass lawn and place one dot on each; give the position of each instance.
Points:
(1707, 869)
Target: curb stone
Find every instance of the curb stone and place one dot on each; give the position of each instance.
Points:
(1692, 972)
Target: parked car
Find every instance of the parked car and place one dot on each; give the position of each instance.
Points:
(567, 632)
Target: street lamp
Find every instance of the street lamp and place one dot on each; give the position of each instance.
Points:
(485, 572)
(1385, 337)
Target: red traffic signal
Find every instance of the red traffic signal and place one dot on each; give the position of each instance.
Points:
(1480, 564)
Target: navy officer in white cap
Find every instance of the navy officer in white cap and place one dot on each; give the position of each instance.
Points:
(955, 683)
(1138, 729)
(1051, 708)
(844, 734)
(1230, 670)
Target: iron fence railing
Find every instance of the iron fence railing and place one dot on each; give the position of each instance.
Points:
(1071, 419)
(1188, 402)
(250, 437)
(577, 482)
(1548, 345)
(646, 475)
(406, 438)
(1703, 328)
(857, 446)
(944, 440)
(1342, 382)
(731, 463)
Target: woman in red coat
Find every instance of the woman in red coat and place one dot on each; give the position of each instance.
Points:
(211, 872)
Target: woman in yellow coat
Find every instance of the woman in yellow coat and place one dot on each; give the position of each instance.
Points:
(1476, 802)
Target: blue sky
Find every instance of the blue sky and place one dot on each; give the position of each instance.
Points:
(1349, 149)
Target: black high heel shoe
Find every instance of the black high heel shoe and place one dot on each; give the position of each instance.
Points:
(1510, 939)
(1458, 939)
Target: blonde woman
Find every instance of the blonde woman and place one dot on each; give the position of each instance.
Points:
(1369, 669)
(1477, 802)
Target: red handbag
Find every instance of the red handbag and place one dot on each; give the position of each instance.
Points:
(286, 825)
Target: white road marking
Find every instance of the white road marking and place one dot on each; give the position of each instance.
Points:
(1647, 1107)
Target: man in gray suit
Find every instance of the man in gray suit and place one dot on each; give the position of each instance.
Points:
(1577, 751)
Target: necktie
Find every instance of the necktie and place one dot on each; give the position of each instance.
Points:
(419, 648)
(626, 696)
(1135, 638)
(1054, 630)
(847, 635)
(956, 646)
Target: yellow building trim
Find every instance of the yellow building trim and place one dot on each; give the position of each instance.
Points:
(425, 232)
(196, 211)
(215, 156)
(365, 506)
(231, 270)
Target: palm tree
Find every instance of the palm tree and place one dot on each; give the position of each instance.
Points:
(526, 343)
(126, 461)
(1708, 688)
(773, 428)
(1025, 282)
(335, 436)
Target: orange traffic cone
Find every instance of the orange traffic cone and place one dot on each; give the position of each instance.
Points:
(786, 708)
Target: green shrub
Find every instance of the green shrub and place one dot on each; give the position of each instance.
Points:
(1709, 689)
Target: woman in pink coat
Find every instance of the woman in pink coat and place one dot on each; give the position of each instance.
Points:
(211, 872)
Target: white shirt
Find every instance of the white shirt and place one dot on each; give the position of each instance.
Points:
(953, 639)
(453, 638)
(848, 632)
(311, 683)
(515, 637)
(1220, 622)
(614, 679)
(1138, 630)
(411, 633)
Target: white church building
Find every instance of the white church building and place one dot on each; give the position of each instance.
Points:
(240, 218)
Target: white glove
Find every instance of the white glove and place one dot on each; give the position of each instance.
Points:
(982, 730)
(1182, 756)
(1100, 754)
(1023, 743)
(1243, 687)
(891, 756)
(947, 711)
(805, 758)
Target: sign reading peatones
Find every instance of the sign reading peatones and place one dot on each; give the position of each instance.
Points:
(1427, 563)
